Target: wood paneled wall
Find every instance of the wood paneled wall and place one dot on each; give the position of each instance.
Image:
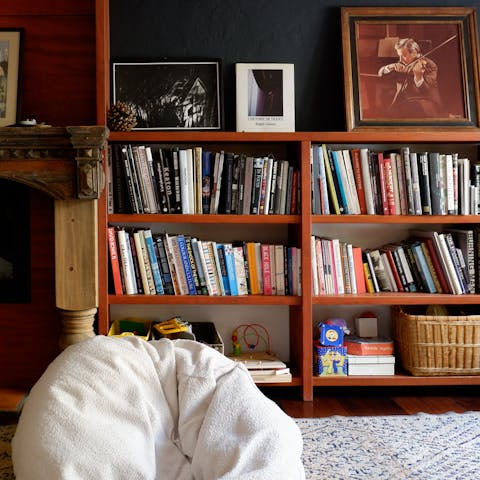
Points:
(58, 88)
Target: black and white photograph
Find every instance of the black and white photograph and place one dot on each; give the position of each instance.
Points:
(265, 97)
(171, 95)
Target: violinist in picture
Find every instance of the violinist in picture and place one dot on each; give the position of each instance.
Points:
(415, 75)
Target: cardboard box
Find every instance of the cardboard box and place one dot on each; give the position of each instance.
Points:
(368, 346)
(330, 360)
(371, 364)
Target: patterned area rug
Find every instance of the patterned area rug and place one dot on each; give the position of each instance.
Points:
(423, 447)
(6, 434)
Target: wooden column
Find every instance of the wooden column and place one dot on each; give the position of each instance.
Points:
(65, 163)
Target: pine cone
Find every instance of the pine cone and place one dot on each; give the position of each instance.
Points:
(121, 117)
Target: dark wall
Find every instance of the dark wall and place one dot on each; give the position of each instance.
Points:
(304, 32)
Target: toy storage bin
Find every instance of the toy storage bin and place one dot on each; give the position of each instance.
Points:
(429, 345)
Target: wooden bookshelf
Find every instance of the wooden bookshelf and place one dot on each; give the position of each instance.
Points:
(299, 230)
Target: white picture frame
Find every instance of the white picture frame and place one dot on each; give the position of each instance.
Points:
(265, 97)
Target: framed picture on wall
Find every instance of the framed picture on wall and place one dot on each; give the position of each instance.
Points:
(171, 95)
(10, 53)
(265, 97)
(410, 67)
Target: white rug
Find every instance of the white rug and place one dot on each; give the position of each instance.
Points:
(423, 446)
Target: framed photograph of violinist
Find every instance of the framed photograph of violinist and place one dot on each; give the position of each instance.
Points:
(410, 67)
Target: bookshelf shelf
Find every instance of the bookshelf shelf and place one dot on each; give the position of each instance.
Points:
(204, 219)
(202, 300)
(395, 298)
(397, 219)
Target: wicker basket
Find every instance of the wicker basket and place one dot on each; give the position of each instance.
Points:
(436, 345)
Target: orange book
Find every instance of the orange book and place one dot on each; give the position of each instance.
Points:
(359, 270)
(114, 262)
(368, 346)
(252, 269)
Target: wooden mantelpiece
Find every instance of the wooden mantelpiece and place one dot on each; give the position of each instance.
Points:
(65, 163)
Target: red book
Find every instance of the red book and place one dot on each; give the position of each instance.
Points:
(266, 269)
(357, 171)
(368, 346)
(383, 186)
(114, 262)
(389, 186)
(293, 204)
(359, 271)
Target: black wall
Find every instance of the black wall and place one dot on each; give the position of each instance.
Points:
(303, 32)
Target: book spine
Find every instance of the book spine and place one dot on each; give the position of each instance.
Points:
(114, 261)
(357, 170)
(230, 266)
(424, 180)
(159, 177)
(147, 233)
(187, 267)
(266, 269)
(367, 181)
(332, 192)
(164, 266)
(142, 261)
(199, 264)
(417, 200)
(133, 257)
(127, 263)
(240, 274)
(405, 153)
(223, 268)
(176, 182)
(206, 180)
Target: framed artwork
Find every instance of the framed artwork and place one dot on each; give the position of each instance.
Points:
(265, 97)
(10, 53)
(171, 95)
(14, 242)
(410, 67)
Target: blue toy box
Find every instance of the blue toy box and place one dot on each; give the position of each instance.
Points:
(330, 360)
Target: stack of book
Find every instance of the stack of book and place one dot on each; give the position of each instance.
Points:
(399, 182)
(370, 356)
(147, 263)
(153, 179)
(427, 261)
(264, 367)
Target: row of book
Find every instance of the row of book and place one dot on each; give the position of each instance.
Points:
(400, 182)
(142, 262)
(155, 179)
(428, 261)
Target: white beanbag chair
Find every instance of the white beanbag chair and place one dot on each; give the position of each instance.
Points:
(114, 409)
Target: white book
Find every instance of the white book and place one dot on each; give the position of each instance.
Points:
(464, 186)
(351, 182)
(142, 263)
(314, 260)
(449, 180)
(184, 180)
(197, 173)
(447, 262)
(320, 266)
(191, 181)
(405, 153)
(417, 200)
(337, 261)
(127, 262)
(367, 182)
(240, 272)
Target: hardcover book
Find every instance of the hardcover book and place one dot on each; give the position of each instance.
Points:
(265, 97)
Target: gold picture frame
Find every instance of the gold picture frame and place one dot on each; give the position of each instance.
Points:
(410, 67)
(10, 53)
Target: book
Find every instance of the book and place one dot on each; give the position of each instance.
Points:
(368, 346)
(438, 184)
(164, 266)
(424, 183)
(332, 192)
(464, 239)
(146, 270)
(417, 200)
(240, 273)
(256, 184)
(359, 179)
(186, 263)
(174, 167)
(186, 186)
(226, 184)
(223, 268)
(160, 178)
(126, 262)
(199, 264)
(176, 265)
(266, 269)
(230, 266)
(152, 256)
(194, 266)
(114, 261)
(367, 181)
(197, 179)
(206, 180)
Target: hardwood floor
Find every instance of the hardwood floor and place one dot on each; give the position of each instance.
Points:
(379, 401)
